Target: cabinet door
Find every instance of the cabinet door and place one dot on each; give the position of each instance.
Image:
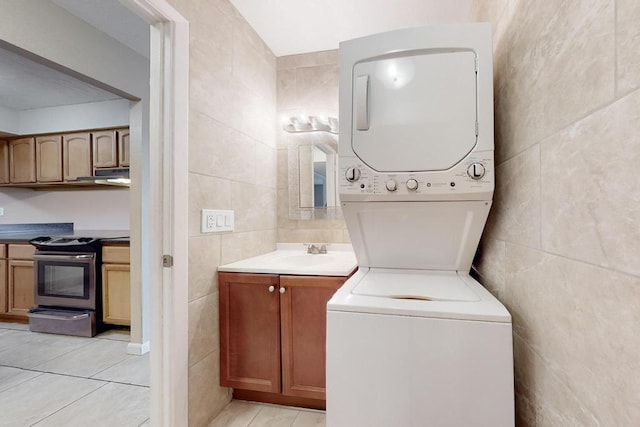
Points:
(123, 147)
(21, 287)
(22, 160)
(116, 294)
(49, 158)
(76, 155)
(105, 149)
(249, 332)
(3, 285)
(4, 162)
(303, 311)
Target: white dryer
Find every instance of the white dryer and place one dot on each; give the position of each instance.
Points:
(412, 339)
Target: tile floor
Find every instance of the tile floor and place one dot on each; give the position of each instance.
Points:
(49, 380)
(244, 414)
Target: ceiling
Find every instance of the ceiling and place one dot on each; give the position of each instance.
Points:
(294, 26)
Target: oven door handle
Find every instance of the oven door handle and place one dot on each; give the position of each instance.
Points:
(63, 257)
(62, 317)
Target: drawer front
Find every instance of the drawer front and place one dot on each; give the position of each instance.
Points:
(21, 251)
(115, 255)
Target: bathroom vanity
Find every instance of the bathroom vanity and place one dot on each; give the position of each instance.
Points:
(273, 323)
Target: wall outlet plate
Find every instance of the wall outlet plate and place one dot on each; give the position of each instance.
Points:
(216, 221)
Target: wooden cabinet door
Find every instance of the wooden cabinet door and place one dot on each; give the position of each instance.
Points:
(116, 294)
(4, 162)
(49, 158)
(303, 311)
(105, 149)
(123, 147)
(76, 155)
(22, 160)
(249, 332)
(21, 287)
(3, 285)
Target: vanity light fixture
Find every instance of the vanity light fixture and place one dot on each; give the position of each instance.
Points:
(303, 123)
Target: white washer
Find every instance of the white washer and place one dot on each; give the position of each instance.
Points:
(412, 339)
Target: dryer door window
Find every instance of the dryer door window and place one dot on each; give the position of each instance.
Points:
(415, 112)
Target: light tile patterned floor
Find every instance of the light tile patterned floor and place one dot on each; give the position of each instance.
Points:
(244, 414)
(49, 380)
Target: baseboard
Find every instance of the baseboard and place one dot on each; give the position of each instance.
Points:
(138, 348)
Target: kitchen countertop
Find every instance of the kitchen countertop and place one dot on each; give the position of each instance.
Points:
(14, 233)
(292, 258)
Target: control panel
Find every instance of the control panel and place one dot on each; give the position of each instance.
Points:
(472, 176)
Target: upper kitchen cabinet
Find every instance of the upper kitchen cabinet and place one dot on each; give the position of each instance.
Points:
(76, 152)
(22, 160)
(4, 162)
(49, 158)
(123, 147)
(105, 149)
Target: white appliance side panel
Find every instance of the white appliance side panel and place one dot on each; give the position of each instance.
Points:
(407, 371)
(416, 235)
(420, 108)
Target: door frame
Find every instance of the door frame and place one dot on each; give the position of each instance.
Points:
(166, 212)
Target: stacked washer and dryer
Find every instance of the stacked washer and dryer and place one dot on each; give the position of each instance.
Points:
(412, 338)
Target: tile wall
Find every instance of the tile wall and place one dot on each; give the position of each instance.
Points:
(232, 165)
(306, 84)
(562, 243)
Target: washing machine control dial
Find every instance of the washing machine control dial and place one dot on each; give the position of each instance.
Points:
(391, 185)
(476, 170)
(412, 184)
(352, 174)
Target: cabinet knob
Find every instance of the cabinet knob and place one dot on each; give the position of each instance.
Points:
(272, 288)
(282, 290)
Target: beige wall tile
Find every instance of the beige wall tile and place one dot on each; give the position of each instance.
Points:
(489, 263)
(204, 257)
(561, 66)
(206, 397)
(286, 86)
(254, 206)
(580, 319)
(237, 246)
(203, 328)
(590, 194)
(515, 214)
(206, 192)
(317, 89)
(627, 41)
(267, 174)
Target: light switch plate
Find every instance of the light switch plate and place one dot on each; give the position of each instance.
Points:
(216, 221)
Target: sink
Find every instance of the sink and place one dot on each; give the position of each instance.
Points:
(306, 260)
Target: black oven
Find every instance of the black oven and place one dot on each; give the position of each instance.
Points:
(67, 286)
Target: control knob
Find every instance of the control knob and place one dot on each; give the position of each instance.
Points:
(352, 174)
(412, 184)
(476, 171)
(391, 185)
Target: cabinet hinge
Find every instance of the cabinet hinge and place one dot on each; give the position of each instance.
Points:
(167, 261)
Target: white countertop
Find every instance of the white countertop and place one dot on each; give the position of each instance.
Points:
(292, 258)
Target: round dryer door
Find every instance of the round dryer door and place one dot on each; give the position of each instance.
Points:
(415, 111)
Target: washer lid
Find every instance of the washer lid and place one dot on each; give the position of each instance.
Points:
(415, 285)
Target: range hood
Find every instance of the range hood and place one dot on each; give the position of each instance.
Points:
(115, 177)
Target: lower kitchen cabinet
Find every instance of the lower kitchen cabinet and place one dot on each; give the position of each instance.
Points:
(19, 291)
(116, 285)
(273, 334)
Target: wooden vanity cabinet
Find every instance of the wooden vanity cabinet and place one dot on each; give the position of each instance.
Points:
(20, 294)
(273, 335)
(116, 285)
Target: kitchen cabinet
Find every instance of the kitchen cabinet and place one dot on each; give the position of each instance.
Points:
(273, 333)
(20, 280)
(22, 160)
(123, 147)
(105, 149)
(4, 162)
(49, 158)
(76, 155)
(116, 285)
(3, 278)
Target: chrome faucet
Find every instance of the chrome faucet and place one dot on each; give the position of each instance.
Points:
(313, 249)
